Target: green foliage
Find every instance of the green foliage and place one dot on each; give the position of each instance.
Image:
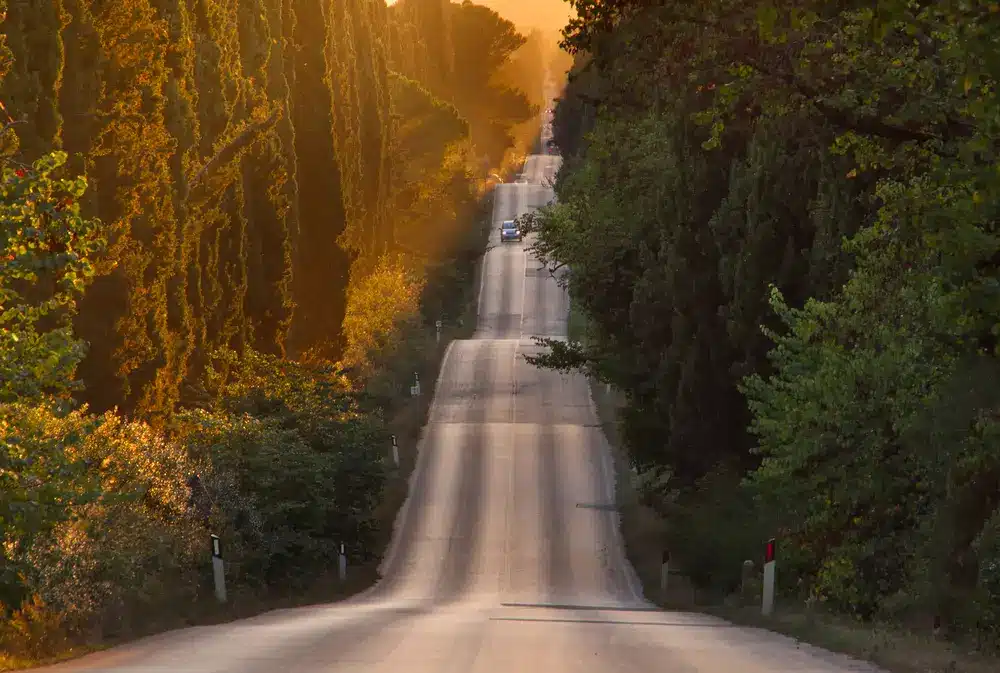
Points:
(43, 478)
(292, 462)
(715, 537)
(254, 183)
(826, 173)
(49, 260)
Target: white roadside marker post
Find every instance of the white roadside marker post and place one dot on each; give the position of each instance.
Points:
(664, 571)
(437, 327)
(218, 570)
(343, 563)
(745, 579)
(416, 383)
(395, 451)
(767, 598)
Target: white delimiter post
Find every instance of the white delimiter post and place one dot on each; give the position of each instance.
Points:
(218, 570)
(343, 563)
(767, 598)
(664, 570)
(395, 451)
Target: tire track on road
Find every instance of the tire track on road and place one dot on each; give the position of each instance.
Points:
(559, 569)
(463, 544)
(424, 480)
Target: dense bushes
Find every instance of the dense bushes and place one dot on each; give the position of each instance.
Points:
(281, 461)
(106, 520)
(214, 329)
(779, 218)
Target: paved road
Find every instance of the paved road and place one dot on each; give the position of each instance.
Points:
(504, 560)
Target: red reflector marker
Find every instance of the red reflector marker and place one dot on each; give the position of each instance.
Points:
(769, 554)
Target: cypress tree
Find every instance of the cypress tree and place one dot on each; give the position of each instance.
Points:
(320, 267)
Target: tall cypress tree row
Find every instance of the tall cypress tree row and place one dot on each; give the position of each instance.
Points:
(129, 161)
(184, 125)
(79, 103)
(242, 154)
(433, 21)
(358, 78)
(32, 88)
(320, 266)
(230, 112)
(424, 46)
(266, 180)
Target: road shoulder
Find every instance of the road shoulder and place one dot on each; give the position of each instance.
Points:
(894, 649)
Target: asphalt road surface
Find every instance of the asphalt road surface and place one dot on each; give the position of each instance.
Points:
(505, 558)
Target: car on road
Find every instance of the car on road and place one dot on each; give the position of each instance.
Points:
(509, 231)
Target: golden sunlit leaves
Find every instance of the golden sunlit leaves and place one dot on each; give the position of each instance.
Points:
(376, 305)
(231, 146)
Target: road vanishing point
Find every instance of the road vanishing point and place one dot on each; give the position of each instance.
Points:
(506, 557)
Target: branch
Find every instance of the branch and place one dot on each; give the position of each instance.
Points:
(562, 356)
(842, 118)
(230, 150)
(744, 50)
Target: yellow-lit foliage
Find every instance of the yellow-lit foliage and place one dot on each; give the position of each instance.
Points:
(136, 546)
(244, 153)
(109, 527)
(264, 178)
(131, 153)
(377, 304)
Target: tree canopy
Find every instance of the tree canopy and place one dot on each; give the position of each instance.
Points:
(779, 219)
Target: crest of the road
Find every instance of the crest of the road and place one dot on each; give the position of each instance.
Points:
(506, 556)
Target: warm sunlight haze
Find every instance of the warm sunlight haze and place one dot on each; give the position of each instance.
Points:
(499, 336)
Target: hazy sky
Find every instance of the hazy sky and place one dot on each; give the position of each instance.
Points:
(544, 14)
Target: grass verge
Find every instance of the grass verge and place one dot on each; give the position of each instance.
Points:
(892, 648)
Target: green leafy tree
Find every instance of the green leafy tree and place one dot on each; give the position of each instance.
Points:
(835, 162)
(43, 478)
(293, 465)
(49, 257)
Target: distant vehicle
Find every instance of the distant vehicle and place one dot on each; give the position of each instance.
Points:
(509, 231)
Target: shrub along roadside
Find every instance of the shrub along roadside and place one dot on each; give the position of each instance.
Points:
(106, 526)
(646, 533)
